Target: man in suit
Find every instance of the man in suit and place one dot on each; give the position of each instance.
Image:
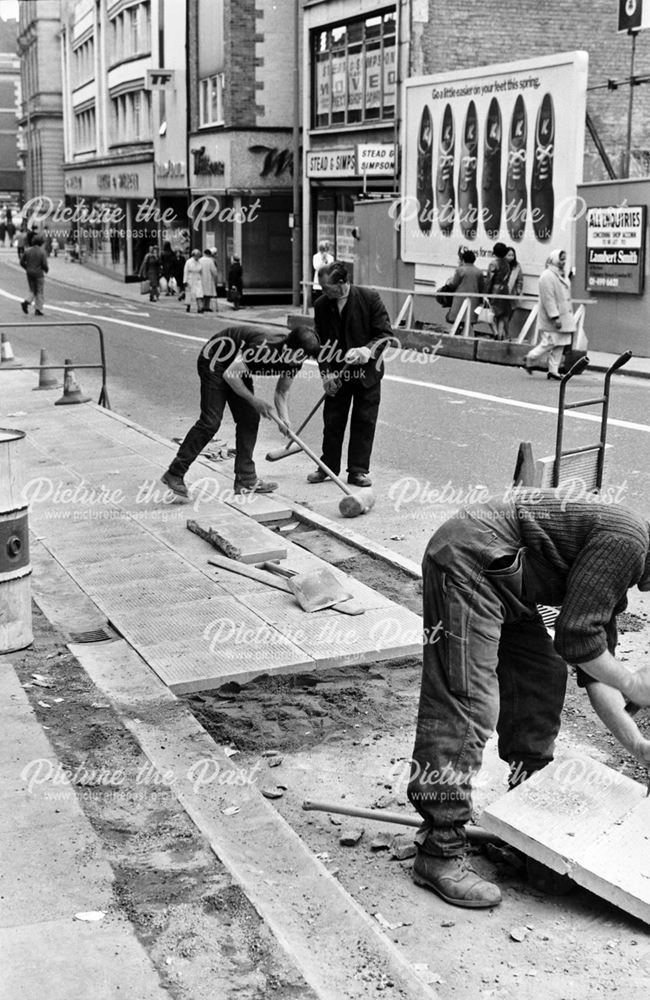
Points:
(353, 328)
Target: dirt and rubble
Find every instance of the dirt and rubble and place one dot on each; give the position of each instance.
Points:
(345, 736)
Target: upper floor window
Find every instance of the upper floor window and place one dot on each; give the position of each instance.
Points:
(354, 71)
(130, 32)
(84, 130)
(83, 62)
(131, 117)
(211, 100)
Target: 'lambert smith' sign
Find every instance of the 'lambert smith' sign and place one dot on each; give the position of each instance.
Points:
(616, 249)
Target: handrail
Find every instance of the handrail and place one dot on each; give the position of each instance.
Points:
(103, 394)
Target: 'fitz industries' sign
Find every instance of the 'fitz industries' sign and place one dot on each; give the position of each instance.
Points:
(494, 155)
(616, 249)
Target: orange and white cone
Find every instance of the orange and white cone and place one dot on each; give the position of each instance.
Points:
(71, 390)
(6, 353)
(46, 380)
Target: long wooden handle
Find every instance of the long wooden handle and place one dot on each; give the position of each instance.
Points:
(243, 569)
(292, 449)
(474, 833)
(314, 457)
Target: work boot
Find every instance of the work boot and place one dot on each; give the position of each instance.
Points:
(175, 484)
(359, 479)
(455, 881)
(261, 486)
(318, 476)
(25, 306)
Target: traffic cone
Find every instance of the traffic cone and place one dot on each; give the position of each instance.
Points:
(46, 380)
(7, 359)
(71, 390)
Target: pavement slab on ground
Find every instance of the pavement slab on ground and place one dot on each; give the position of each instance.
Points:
(98, 507)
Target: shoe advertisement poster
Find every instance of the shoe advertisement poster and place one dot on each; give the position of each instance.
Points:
(492, 155)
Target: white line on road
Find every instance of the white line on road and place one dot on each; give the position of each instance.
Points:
(469, 393)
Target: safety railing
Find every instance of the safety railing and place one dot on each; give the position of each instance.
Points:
(103, 394)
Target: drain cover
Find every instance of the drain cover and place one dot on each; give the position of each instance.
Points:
(92, 635)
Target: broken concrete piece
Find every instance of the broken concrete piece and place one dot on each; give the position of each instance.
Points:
(240, 538)
(402, 847)
(351, 836)
(272, 793)
(382, 840)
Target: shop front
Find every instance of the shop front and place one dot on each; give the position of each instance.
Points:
(241, 202)
(112, 216)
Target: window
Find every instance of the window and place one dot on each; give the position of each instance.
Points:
(83, 62)
(84, 130)
(131, 117)
(130, 32)
(354, 67)
(211, 100)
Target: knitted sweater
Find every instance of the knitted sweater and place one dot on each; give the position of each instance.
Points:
(585, 556)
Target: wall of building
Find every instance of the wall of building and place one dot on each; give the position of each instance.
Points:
(42, 105)
(478, 34)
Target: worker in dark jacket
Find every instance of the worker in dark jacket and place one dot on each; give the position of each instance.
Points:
(34, 260)
(353, 328)
(225, 366)
(489, 661)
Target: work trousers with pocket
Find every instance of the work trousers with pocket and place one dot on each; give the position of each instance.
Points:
(364, 401)
(215, 394)
(488, 662)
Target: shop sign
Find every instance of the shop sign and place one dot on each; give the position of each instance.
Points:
(203, 164)
(170, 168)
(331, 163)
(493, 154)
(376, 158)
(73, 183)
(160, 79)
(616, 249)
(132, 181)
(118, 182)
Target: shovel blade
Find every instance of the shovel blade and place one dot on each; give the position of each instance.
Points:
(318, 589)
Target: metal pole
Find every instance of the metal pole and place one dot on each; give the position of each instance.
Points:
(628, 143)
(296, 242)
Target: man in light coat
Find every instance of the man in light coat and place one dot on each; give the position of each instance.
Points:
(556, 322)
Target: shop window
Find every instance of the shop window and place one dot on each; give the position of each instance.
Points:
(211, 100)
(354, 70)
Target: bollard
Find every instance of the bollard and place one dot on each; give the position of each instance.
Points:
(15, 570)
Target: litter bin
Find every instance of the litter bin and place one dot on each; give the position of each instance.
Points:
(15, 570)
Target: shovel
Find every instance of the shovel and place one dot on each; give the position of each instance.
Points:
(313, 591)
(317, 589)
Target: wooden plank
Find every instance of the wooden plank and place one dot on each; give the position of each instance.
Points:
(582, 819)
(261, 508)
(244, 540)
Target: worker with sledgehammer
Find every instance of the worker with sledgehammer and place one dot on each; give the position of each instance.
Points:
(353, 327)
(225, 366)
(489, 662)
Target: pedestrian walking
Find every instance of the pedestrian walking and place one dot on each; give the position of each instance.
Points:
(21, 241)
(34, 260)
(192, 282)
(209, 277)
(353, 328)
(150, 271)
(235, 282)
(467, 278)
(496, 283)
(489, 662)
(225, 366)
(321, 258)
(556, 322)
(178, 272)
(167, 262)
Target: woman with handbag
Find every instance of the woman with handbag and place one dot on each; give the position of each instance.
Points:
(556, 322)
(150, 272)
(497, 281)
(192, 282)
(466, 278)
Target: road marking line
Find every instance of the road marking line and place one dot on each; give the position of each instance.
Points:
(400, 379)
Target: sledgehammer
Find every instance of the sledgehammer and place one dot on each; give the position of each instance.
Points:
(294, 449)
(352, 504)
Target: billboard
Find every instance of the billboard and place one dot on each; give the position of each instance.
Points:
(493, 154)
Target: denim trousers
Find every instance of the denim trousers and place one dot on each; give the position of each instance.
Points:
(365, 408)
(488, 663)
(215, 394)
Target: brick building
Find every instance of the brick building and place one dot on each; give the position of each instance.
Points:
(241, 89)
(11, 173)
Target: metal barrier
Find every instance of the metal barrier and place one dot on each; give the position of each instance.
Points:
(103, 394)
